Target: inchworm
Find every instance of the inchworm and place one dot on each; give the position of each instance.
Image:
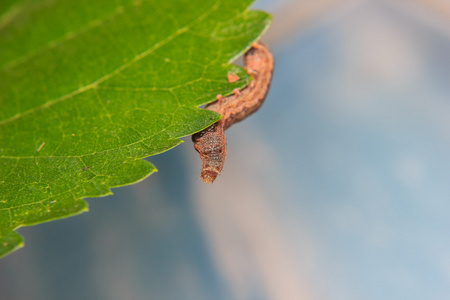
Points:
(211, 142)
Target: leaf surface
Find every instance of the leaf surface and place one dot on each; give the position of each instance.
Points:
(90, 88)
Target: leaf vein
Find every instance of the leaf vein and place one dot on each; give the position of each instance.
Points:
(115, 72)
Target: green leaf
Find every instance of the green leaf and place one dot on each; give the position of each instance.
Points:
(90, 88)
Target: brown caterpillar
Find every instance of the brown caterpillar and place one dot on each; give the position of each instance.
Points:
(211, 142)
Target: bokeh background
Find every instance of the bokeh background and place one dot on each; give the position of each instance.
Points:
(338, 188)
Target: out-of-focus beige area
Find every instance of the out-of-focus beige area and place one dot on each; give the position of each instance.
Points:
(375, 97)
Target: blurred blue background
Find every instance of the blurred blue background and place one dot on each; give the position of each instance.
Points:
(338, 188)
